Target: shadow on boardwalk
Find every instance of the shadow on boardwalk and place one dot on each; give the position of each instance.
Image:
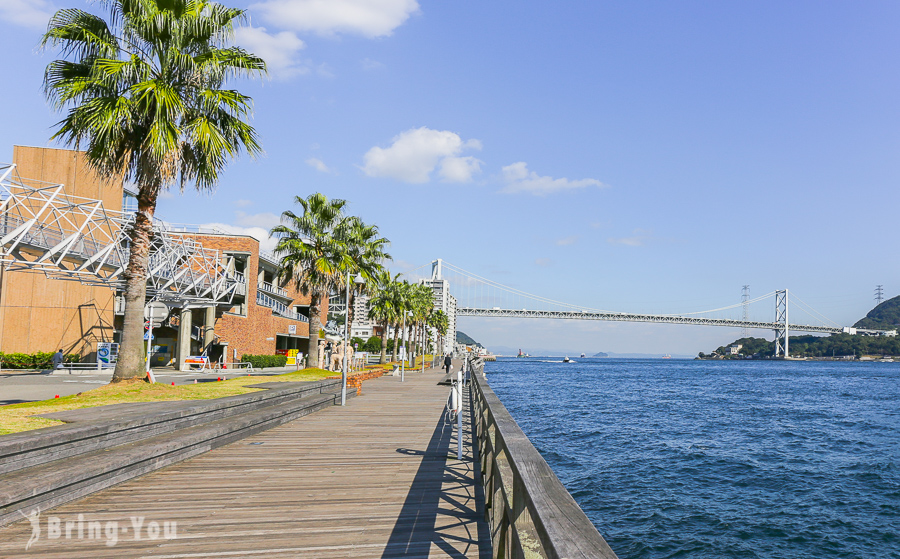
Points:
(440, 500)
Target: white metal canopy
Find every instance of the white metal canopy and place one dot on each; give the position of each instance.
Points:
(44, 229)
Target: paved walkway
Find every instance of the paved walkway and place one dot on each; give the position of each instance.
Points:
(378, 478)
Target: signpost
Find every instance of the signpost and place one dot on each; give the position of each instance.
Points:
(154, 312)
(107, 354)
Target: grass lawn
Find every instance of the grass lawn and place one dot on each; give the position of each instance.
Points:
(15, 418)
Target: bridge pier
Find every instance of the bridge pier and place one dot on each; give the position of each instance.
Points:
(781, 322)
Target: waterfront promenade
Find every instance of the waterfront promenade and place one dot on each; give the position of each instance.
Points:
(376, 479)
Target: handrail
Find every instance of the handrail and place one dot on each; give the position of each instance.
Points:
(273, 289)
(279, 308)
(530, 512)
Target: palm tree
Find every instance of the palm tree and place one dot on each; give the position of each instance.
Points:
(422, 305)
(146, 99)
(366, 253)
(439, 321)
(382, 308)
(314, 255)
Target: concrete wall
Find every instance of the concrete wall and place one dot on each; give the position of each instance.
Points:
(41, 314)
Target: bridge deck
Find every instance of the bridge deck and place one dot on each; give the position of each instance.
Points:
(378, 478)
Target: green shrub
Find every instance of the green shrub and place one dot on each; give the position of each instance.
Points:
(262, 361)
(39, 360)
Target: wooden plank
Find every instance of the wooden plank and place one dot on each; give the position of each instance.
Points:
(377, 478)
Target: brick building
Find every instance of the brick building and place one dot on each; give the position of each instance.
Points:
(42, 314)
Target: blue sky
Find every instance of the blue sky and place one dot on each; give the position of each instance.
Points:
(639, 156)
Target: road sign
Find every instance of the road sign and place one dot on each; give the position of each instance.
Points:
(160, 311)
(292, 328)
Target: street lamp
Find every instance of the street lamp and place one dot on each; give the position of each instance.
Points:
(403, 346)
(358, 280)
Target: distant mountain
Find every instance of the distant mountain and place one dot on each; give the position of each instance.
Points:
(885, 316)
(601, 354)
(462, 338)
(541, 352)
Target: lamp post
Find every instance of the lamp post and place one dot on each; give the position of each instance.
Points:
(403, 346)
(357, 280)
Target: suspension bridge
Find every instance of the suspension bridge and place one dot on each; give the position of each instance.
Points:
(473, 295)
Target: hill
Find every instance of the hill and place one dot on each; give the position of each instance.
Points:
(462, 338)
(885, 316)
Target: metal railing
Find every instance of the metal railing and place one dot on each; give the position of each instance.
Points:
(278, 307)
(273, 289)
(529, 511)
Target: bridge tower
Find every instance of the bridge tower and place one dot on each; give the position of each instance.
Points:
(781, 321)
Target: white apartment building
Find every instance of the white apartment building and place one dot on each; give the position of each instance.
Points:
(443, 301)
(362, 326)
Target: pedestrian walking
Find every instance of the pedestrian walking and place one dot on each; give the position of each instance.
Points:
(447, 363)
(58, 359)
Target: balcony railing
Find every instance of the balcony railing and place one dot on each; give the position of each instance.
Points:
(278, 307)
(272, 289)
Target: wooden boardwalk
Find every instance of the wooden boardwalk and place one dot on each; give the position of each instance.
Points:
(376, 479)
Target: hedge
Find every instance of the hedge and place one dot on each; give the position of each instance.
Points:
(39, 360)
(261, 361)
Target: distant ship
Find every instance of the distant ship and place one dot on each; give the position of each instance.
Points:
(522, 354)
(582, 356)
(566, 359)
(667, 356)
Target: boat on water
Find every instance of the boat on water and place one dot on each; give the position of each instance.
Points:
(522, 354)
(667, 356)
(582, 356)
(566, 359)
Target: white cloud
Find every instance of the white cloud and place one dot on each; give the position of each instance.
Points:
(33, 14)
(318, 165)
(639, 237)
(543, 262)
(263, 220)
(459, 169)
(258, 233)
(243, 203)
(278, 50)
(369, 18)
(567, 241)
(370, 65)
(519, 179)
(414, 154)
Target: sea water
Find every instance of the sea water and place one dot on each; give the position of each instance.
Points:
(681, 458)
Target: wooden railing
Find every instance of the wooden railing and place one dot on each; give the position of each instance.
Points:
(529, 511)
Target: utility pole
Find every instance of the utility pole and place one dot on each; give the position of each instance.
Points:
(879, 294)
(745, 302)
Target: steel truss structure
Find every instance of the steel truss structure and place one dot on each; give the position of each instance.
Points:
(44, 229)
(664, 319)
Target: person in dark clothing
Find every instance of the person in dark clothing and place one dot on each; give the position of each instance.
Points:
(447, 363)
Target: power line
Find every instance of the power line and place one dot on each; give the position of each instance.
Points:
(879, 294)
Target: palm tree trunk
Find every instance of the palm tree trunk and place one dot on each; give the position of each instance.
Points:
(131, 362)
(315, 324)
(396, 335)
(384, 331)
